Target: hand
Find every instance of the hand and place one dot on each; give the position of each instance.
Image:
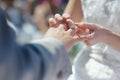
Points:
(97, 33)
(58, 30)
(58, 19)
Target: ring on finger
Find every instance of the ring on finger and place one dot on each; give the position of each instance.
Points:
(73, 28)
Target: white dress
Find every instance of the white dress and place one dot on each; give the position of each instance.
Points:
(100, 62)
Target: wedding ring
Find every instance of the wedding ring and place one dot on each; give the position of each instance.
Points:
(73, 28)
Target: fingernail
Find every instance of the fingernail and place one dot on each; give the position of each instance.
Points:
(52, 20)
(58, 16)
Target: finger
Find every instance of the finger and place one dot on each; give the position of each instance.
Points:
(88, 36)
(86, 28)
(76, 38)
(58, 17)
(71, 24)
(66, 16)
(52, 22)
(90, 26)
(72, 29)
(62, 27)
(71, 32)
(89, 39)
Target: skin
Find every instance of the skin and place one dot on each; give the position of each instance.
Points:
(58, 30)
(101, 34)
(97, 33)
(39, 19)
(74, 9)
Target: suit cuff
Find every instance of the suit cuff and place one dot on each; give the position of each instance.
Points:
(57, 60)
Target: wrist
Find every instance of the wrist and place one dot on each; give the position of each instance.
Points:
(107, 35)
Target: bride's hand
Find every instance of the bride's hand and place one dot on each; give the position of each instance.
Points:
(95, 35)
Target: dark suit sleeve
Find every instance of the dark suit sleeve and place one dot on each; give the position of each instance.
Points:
(43, 60)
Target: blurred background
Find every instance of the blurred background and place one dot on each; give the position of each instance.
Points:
(29, 18)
